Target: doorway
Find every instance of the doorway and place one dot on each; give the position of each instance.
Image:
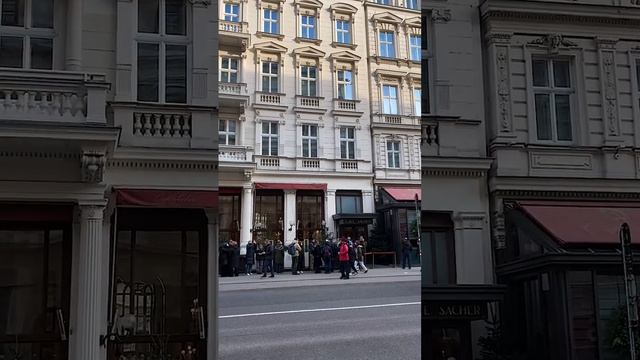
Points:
(447, 340)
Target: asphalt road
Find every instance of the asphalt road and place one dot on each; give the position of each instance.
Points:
(350, 321)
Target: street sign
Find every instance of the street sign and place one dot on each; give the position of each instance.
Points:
(630, 288)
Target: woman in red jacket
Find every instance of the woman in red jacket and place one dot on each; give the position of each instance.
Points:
(343, 256)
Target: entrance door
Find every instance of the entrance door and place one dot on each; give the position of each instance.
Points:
(34, 291)
(448, 340)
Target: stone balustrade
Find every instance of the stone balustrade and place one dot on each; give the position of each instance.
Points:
(232, 153)
(400, 120)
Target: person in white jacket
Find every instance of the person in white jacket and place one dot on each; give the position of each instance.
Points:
(359, 263)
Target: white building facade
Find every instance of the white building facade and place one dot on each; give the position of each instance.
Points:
(457, 263)
(109, 179)
(295, 135)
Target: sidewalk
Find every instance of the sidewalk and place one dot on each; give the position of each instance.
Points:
(286, 279)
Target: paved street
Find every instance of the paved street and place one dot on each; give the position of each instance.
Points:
(373, 316)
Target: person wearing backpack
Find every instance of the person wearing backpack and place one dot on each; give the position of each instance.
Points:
(294, 250)
(327, 254)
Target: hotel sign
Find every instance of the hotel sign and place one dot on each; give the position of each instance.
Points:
(454, 310)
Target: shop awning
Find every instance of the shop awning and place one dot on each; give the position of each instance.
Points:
(584, 223)
(290, 186)
(404, 193)
(167, 198)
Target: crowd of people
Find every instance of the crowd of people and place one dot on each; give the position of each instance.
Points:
(268, 258)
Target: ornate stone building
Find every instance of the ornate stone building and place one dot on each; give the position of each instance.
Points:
(457, 261)
(563, 130)
(108, 153)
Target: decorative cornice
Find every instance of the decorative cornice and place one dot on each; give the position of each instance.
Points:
(537, 17)
(39, 154)
(566, 195)
(454, 173)
(162, 165)
(553, 43)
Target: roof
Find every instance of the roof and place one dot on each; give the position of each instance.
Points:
(584, 223)
(404, 193)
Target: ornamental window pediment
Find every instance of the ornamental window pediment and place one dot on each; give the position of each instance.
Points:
(343, 8)
(314, 4)
(270, 46)
(308, 51)
(386, 17)
(345, 56)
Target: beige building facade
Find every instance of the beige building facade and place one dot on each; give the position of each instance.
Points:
(109, 179)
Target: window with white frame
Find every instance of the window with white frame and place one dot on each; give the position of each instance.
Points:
(417, 102)
(271, 21)
(343, 31)
(232, 12)
(162, 51)
(270, 77)
(412, 4)
(308, 80)
(390, 99)
(387, 44)
(552, 90)
(27, 34)
(393, 154)
(309, 141)
(227, 132)
(308, 26)
(415, 47)
(229, 70)
(347, 142)
(384, 2)
(269, 138)
(345, 84)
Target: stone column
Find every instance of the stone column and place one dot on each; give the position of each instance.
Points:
(330, 210)
(211, 306)
(73, 51)
(88, 328)
(246, 222)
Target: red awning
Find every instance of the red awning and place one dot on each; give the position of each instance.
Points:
(290, 186)
(167, 198)
(585, 223)
(404, 194)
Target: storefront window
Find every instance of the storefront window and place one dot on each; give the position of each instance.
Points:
(349, 202)
(229, 217)
(310, 212)
(268, 223)
(584, 340)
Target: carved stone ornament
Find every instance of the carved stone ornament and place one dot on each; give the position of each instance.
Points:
(441, 15)
(504, 94)
(247, 175)
(499, 238)
(92, 167)
(610, 92)
(553, 42)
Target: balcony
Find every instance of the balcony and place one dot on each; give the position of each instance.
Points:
(346, 107)
(310, 104)
(233, 94)
(234, 34)
(352, 166)
(272, 101)
(165, 126)
(235, 156)
(396, 121)
(429, 138)
(52, 96)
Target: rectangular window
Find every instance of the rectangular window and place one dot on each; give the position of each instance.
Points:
(582, 315)
(308, 27)
(270, 76)
(270, 138)
(415, 44)
(393, 154)
(271, 21)
(417, 101)
(308, 80)
(227, 132)
(345, 85)
(310, 141)
(387, 44)
(347, 142)
(229, 70)
(232, 12)
(148, 71)
(30, 30)
(390, 99)
(438, 249)
(343, 31)
(384, 2)
(176, 74)
(348, 202)
(552, 98)
(412, 4)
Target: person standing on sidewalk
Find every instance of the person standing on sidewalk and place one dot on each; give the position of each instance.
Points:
(259, 251)
(352, 257)
(343, 256)
(406, 253)
(278, 257)
(316, 251)
(250, 256)
(327, 254)
(294, 250)
(267, 259)
(235, 258)
(360, 257)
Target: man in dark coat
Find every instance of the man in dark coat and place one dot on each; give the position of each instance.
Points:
(235, 258)
(352, 257)
(327, 255)
(267, 259)
(406, 253)
(250, 256)
(225, 259)
(259, 255)
(278, 257)
(335, 248)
